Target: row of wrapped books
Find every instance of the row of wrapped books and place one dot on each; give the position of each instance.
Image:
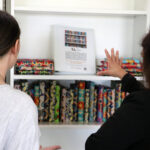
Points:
(131, 65)
(83, 102)
(34, 66)
(46, 66)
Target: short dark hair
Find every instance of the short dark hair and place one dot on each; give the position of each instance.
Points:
(9, 32)
(146, 57)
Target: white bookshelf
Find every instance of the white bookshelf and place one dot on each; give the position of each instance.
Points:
(129, 26)
(120, 25)
(81, 11)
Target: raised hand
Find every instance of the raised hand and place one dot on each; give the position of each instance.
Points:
(114, 65)
(56, 147)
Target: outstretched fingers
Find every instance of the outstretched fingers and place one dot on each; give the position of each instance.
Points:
(113, 58)
(107, 54)
(117, 57)
(102, 73)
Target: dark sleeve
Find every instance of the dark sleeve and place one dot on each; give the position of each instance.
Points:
(120, 131)
(130, 84)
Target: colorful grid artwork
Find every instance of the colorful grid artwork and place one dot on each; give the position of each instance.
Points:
(75, 39)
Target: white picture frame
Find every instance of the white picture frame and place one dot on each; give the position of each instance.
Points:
(74, 50)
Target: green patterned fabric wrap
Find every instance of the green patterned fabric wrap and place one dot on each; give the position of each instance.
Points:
(52, 101)
(118, 99)
(92, 87)
(57, 105)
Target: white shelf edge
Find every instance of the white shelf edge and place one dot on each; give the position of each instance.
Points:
(67, 77)
(80, 11)
(72, 125)
(64, 77)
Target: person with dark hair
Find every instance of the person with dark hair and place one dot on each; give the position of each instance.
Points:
(129, 127)
(18, 114)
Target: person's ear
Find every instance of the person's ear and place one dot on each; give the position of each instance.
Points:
(142, 53)
(15, 49)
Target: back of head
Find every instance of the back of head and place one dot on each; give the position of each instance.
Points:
(9, 32)
(146, 57)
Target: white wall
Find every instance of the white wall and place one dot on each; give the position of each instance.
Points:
(1, 4)
(141, 4)
(36, 29)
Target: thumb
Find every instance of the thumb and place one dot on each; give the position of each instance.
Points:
(55, 147)
(40, 147)
(106, 72)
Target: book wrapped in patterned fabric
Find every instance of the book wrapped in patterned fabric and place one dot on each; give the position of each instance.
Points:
(92, 87)
(87, 102)
(131, 65)
(34, 66)
(81, 102)
(41, 101)
(52, 101)
(57, 105)
(100, 105)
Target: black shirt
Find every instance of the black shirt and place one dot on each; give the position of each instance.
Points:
(129, 127)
